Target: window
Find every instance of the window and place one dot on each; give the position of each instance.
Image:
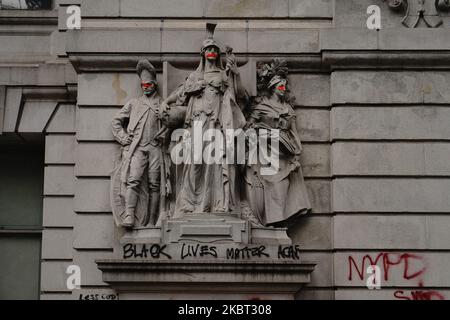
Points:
(26, 4)
(21, 199)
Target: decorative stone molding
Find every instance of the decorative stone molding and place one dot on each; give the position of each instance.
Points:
(284, 278)
(23, 101)
(420, 10)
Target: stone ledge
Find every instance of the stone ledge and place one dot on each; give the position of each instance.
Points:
(208, 276)
(28, 17)
(324, 61)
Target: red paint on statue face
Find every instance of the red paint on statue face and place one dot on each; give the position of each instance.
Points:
(282, 88)
(211, 55)
(147, 85)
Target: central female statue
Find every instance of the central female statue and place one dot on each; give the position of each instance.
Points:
(210, 94)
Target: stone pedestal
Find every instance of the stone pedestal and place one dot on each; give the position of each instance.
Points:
(207, 229)
(206, 257)
(142, 235)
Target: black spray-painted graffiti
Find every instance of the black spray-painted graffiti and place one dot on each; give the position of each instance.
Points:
(197, 250)
(289, 252)
(246, 252)
(154, 251)
(157, 251)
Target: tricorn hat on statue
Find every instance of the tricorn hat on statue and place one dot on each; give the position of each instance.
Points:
(146, 71)
(209, 41)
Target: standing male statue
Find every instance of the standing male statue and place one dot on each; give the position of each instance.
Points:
(138, 183)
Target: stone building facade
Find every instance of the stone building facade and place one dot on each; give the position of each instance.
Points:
(372, 109)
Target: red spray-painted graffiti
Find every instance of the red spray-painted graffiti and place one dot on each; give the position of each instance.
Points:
(412, 267)
(388, 260)
(419, 295)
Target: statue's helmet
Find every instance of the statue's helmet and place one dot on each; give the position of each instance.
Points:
(146, 71)
(210, 42)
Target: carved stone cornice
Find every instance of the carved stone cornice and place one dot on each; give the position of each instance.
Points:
(127, 63)
(386, 60)
(223, 276)
(325, 61)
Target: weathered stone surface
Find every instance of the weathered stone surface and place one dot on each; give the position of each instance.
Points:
(438, 236)
(94, 124)
(100, 8)
(92, 195)
(413, 39)
(161, 8)
(323, 272)
(412, 269)
(387, 123)
(111, 89)
(93, 231)
(35, 115)
(311, 8)
(348, 39)
(376, 158)
(58, 212)
(380, 232)
(108, 41)
(436, 85)
(54, 276)
(192, 40)
(315, 294)
(391, 195)
(413, 159)
(283, 41)
(58, 44)
(12, 107)
(59, 180)
(310, 90)
(376, 87)
(436, 158)
(312, 232)
(315, 160)
(60, 149)
(319, 192)
(47, 74)
(63, 121)
(57, 243)
(92, 276)
(313, 125)
(24, 45)
(247, 9)
(96, 159)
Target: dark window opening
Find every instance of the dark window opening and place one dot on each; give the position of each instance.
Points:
(21, 201)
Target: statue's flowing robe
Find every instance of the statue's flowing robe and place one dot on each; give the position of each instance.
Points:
(208, 188)
(276, 199)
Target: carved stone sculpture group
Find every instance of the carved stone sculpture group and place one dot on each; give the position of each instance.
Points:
(147, 187)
